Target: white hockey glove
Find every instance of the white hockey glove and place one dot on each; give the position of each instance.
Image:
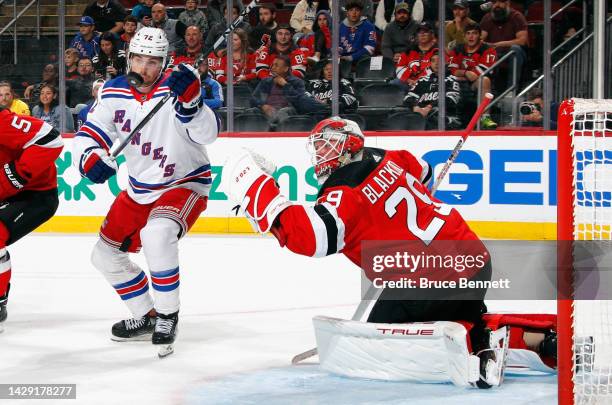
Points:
(247, 181)
(184, 81)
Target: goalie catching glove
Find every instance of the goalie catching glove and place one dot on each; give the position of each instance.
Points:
(248, 181)
(184, 81)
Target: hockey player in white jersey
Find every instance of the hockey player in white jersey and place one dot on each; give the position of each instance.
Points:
(169, 181)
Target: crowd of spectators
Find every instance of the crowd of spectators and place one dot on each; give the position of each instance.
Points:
(285, 64)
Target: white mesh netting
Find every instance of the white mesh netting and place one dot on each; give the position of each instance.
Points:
(592, 156)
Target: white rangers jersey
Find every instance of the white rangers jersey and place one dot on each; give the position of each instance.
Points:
(165, 154)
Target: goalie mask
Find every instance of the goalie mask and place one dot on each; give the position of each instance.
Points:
(149, 41)
(333, 143)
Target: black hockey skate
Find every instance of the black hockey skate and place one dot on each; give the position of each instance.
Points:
(165, 333)
(133, 329)
(3, 301)
(493, 358)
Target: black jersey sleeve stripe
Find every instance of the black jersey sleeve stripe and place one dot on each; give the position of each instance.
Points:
(330, 227)
(428, 175)
(50, 137)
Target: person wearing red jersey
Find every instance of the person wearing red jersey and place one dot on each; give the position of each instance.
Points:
(469, 60)
(367, 194)
(28, 184)
(413, 63)
(191, 51)
(243, 61)
(283, 45)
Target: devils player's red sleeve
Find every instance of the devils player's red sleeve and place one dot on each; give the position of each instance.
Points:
(36, 145)
(322, 229)
(486, 59)
(417, 167)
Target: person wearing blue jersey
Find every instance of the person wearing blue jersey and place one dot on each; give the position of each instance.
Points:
(357, 34)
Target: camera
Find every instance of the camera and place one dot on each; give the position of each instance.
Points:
(528, 107)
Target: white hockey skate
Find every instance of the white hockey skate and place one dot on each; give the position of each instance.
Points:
(493, 359)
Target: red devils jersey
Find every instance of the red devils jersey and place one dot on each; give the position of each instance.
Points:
(28, 149)
(413, 63)
(477, 61)
(380, 198)
(265, 57)
(218, 68)
(183, 56)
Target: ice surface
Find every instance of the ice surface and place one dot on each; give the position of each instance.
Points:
(246, 309)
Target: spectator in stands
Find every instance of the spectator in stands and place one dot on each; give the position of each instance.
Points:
(174, 29)
(423, 98)
(367, 8)
(78, 91)
(357, 34)
(321, 90)
(192, 49)
(87, 41)
(413, 63)
(212, 93)
(399, 34)
(8, 99)
(71, 61)
(130, 24)
(107, 14)
(263, 32)
(50, 111)
(282, 45)
(49, 76)
(110, 62)
(218, 29)
(243, 60)
(532, 110)
(304, 15)
(193, 16)
(505, 29)
(213, 12)
(455, 29)
(142, 12)
(84, 108)
(386, 12)
(469, 60)
(317, 45)
(279, 95)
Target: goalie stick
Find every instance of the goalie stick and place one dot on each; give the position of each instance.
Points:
(373, 295)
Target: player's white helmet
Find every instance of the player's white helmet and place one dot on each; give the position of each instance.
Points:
(151, 42)
(333, 143)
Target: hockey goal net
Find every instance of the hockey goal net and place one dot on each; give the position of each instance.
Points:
(584, 217)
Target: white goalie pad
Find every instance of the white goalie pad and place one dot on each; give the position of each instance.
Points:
(432, 352)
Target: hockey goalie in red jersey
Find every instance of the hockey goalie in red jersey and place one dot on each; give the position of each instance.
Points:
(370, 194)
(28, 184)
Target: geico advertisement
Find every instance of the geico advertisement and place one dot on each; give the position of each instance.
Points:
(495, 178)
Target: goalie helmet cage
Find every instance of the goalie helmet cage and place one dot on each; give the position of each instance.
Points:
(584, 212)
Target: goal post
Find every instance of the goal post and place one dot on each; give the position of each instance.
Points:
(584, 213)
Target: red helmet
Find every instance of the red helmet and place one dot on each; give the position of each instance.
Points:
(333, 143)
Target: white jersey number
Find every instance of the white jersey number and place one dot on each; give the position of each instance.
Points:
(21, 124)
(409, 195)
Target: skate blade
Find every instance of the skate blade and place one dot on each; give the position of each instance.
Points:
(165, 350)
(141, 338)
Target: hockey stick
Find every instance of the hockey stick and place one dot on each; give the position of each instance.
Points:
(245, 11)
(135, 79)
(365, 302)
(464, 135)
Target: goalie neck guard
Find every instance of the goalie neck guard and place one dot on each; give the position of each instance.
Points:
(333, 143)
